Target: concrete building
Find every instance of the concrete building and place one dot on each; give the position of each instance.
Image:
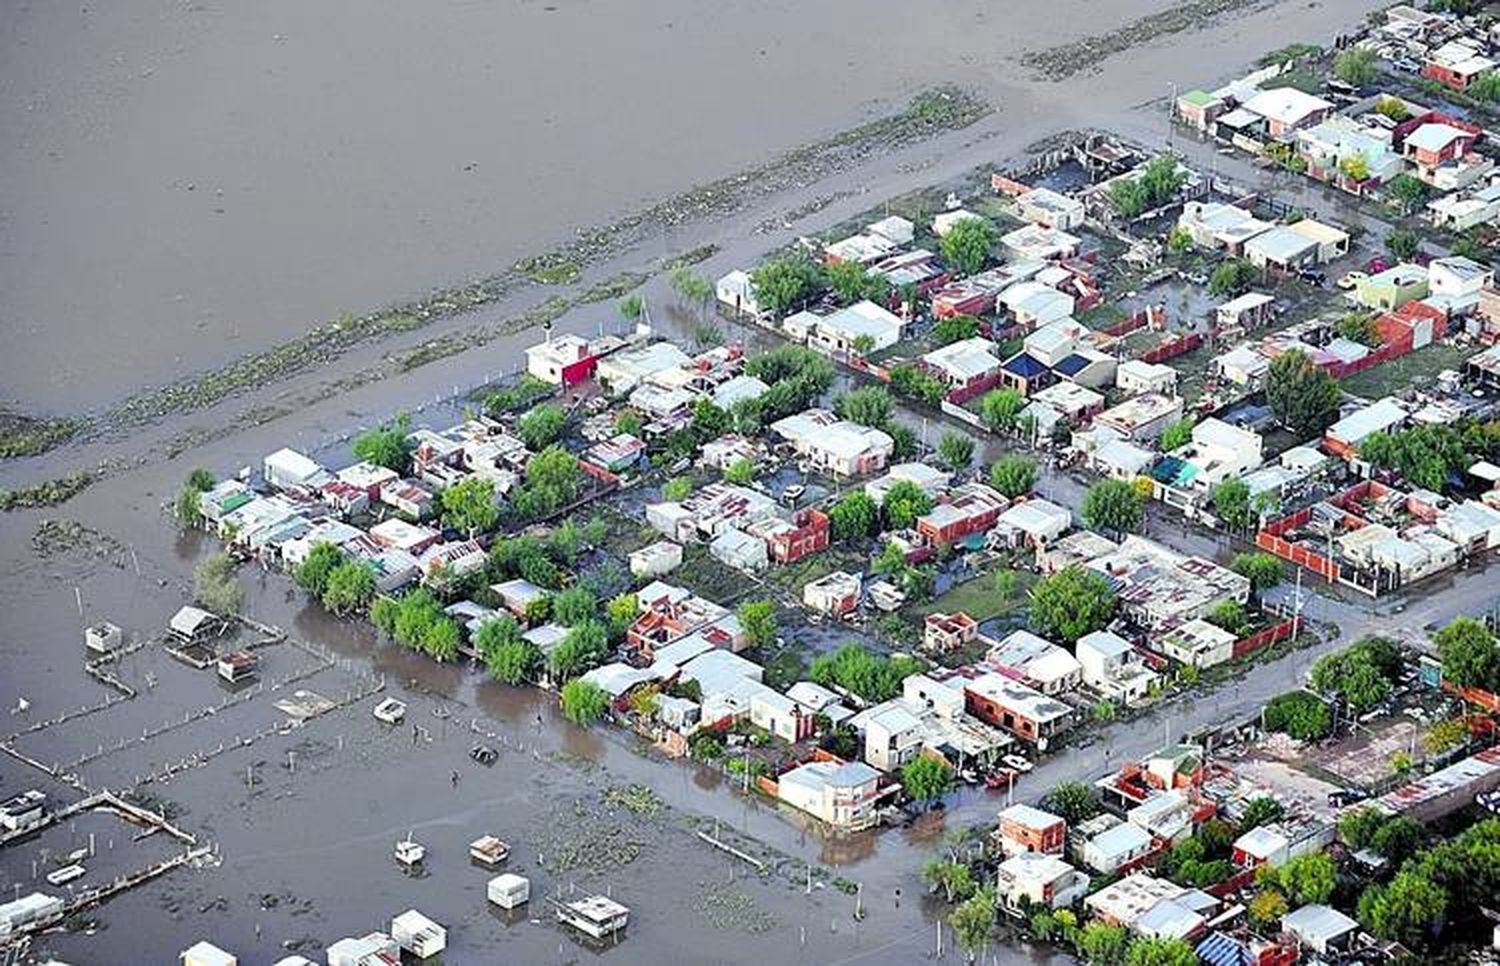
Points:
(1113, 668)
(844, 795)
(1039, 880)
(1025, 828)
(1116, 848)
(835, 445)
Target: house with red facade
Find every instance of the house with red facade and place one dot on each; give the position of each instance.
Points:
(1025, 712)
(1456, 64)
(1025, 828)
(788, 541)
(967, 509)
(967, 367)
(1440, 149)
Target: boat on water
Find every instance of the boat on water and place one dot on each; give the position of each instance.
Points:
(65, 875)
(410, 852)
(489, 850)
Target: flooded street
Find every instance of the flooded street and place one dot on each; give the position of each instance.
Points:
(186, 183)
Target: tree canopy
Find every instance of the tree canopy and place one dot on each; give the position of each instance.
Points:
(854, 515)
(1013, 476)
(584, 702)
(783, 283)
(1113, 506)
(1070, 603)
(1000, 407)
(1470, 655)
(855, 669)
(1302, 396)
(904, 502)
(925, 779)
(216, 585)
(966, 246)
(469, 505)
(867, 405)
(386, 446)
(541, 426)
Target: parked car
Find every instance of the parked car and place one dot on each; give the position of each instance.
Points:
(1018, 763)
(484, 754)
(1351, 279)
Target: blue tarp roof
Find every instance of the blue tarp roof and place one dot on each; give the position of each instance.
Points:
(1025, 366)
(1072, 365)
(1221, 950)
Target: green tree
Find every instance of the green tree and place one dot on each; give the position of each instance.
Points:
(551, 482)
(903, 441)
(584, 702)
(758, 618)
(1393, 108)
(1073, 801)
(1129, 197)
(1071, 603)
(629, 422)
(967, 245)
(925, 779)
(1360, 327)
(851, 282)
(386, 446)
(1403, 243)
(1160, 952)
(1408, 192)
(1178, 434)
(956, 450)
(1469, 653)
(955, 328)
(469, 505)
(709, 421)
(1163, 178)
(350, 588)
(312, 573)
(1303, 397)
(854, 515)
(676, 489)
(631, 307)
(973, 921)
(1444, 736)
(217, 586)
(1179, 241)
(189, 499)
(440, 639)
(1231, 277)
(1426, 454)
(507, 655)
(783, 283)
(1358, 66)
(541, 426)
(383, 611)
(1000, 407)
(573, 606)
(1407, 911)
(1267, 908)
(692, 288)
(1261, 810)
(851, 667)
(1297, 714)
(867, 405)
(584, 647)
(1113, 506)
(1355, 168)
(1103, 945)
(1398, 838)
(1262, 569)
(1013, 476)
(621, 612)
(741, 472)
(954, 880)
(1485, 87)
(1308, 878)
(1232, 504)
(914, 382)
(904, 502)
(1230, 615)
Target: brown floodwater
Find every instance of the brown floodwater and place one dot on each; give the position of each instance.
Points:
(184, 182)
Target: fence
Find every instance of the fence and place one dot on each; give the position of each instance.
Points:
(1177, 347)
(1280, 632)
(1270, 539)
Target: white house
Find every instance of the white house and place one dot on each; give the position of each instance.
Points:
(737, 292)
(1116, 847)
(1113, 668)
(1039, 879)
(1135, 376)
(845, 329)
(1043, 206)
(843, 795)
(287, 468)
(834, 444)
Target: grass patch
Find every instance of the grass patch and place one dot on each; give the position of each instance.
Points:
(612, 287)
(1290, 52)
(977, 598)
(1419, 368)
(50, 493)
(28, 436)
(550, 268)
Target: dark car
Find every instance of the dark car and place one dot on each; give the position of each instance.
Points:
(484, 754)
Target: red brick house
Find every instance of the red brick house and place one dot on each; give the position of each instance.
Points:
(968, 509)
(1024, 828)
(789, 541)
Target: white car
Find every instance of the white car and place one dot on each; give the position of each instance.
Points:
(390, 711)
(1351, 280)
(1018, 763)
